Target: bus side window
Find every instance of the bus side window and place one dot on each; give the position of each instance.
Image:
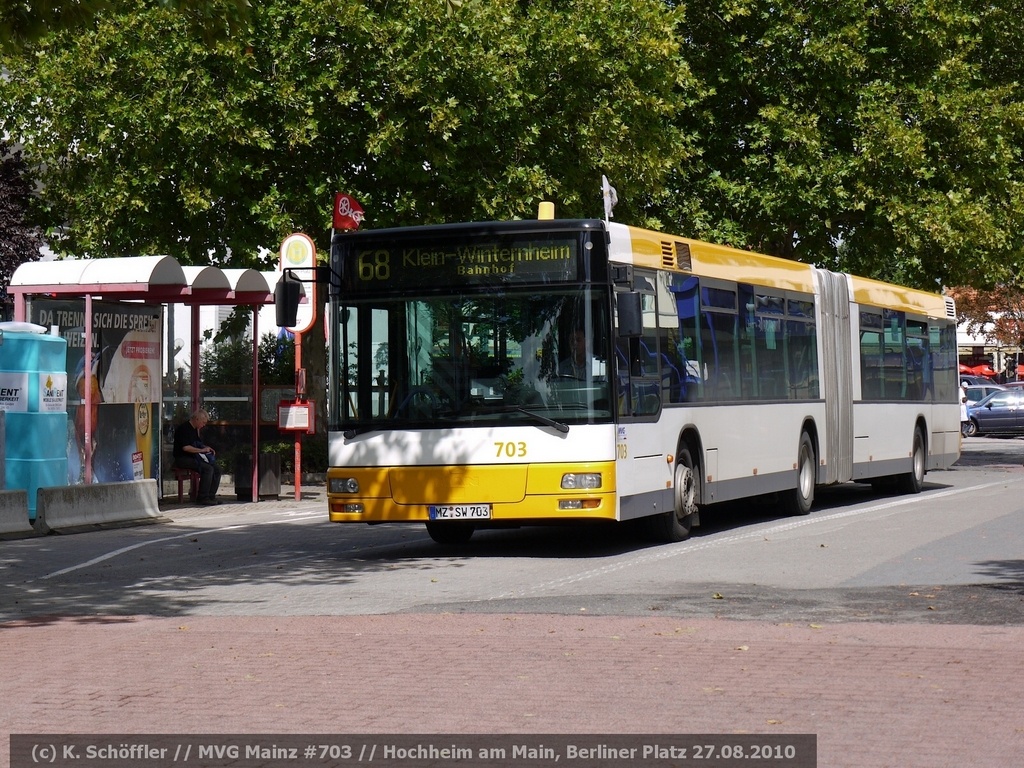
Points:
(919, 364)
(803, 360)
(720, 348)
(673, 386)
(871, 356)
(871, 365)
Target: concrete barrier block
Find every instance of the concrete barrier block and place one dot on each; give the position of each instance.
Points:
(72, 506)
(14, 512)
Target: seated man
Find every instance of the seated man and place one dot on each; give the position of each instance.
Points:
(190, 452)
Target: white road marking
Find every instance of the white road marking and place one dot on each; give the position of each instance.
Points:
(288, 518)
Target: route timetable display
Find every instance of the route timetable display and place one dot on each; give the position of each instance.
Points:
(412, 751)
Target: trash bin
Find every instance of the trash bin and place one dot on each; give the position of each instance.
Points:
(269, 476)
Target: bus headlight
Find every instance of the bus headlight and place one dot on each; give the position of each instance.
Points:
(581, 481)
(343, 485)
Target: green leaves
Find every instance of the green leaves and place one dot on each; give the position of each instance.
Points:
(162, 142)
(19, 240)
(867, 135)
(23, 24)
(876, 137)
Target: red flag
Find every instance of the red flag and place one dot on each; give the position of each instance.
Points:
(348, 213)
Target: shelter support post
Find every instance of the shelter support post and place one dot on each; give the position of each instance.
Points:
(194, 360)
(87, 389)
(255, 410)
(298, 434)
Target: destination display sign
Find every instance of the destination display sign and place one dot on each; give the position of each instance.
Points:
(384, 265)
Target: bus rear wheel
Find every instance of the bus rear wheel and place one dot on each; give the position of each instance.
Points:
(675, 524)
(450, 533)
(913, 481)
(800, 500)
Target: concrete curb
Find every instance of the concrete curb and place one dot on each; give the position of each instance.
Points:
(14, 512)
(74, 506)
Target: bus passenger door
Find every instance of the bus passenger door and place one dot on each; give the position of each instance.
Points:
(644, 477)
(638, 362)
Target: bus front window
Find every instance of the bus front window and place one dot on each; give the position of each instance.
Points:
(473, 358)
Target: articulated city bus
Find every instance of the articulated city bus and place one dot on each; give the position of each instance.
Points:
(567, 371)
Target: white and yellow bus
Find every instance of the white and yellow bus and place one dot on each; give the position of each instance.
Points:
(558, 371)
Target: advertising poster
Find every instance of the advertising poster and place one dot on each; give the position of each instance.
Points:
(123, 371)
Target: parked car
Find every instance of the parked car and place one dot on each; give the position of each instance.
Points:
(971, 381)
(1014, 384)
(978, 392)
(1001, 413)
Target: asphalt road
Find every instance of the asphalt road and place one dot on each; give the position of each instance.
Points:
(952, 554)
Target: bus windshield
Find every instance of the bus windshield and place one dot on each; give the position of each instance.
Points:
(523, 356)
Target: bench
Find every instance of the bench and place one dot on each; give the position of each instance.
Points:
(181, 475)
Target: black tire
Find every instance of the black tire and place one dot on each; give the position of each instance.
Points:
(450, 533)
(675, 525)
(970, 429)
(800, 499)
(913, 481)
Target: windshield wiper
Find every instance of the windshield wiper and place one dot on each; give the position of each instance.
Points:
(564, 428)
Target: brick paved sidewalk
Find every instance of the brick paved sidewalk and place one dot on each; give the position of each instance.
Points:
(876, 695)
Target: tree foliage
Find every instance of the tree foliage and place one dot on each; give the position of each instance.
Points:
(149, 140)
(996, 315)
(19, 240)
(22, 24)
(229, 360)
(875, 136)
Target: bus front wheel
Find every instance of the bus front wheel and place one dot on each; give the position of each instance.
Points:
(675, 524)
(450, 533)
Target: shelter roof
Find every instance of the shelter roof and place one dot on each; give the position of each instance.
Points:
(156, 279)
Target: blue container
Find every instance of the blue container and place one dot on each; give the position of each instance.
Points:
(33, 392)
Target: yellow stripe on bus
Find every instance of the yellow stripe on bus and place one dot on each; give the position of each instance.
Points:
(516, 492)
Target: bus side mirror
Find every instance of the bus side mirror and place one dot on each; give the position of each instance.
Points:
(629, 314)
(286, 301)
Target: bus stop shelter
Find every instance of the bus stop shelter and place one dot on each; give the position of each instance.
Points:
(150, 280)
